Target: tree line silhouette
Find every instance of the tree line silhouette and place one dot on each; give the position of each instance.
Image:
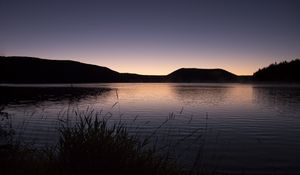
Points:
(279, 72)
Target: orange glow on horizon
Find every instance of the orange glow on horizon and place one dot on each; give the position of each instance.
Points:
(160, 66)
(162, 63)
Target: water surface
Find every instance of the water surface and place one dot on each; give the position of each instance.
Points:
(227, 128)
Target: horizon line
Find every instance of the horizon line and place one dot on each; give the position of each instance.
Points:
(82, 62)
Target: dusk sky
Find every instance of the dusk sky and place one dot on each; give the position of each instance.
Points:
(154, 36)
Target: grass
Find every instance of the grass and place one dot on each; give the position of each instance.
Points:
(89, 146)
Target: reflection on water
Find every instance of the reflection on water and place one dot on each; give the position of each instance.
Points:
(36, 95)
(195, 95)
(284, 98)
(240, 127)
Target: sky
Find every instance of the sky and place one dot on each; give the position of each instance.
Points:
(154, 36)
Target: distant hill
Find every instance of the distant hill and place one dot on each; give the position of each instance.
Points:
(282, 72)
(128, 77)
(201, 75)
(36, 70)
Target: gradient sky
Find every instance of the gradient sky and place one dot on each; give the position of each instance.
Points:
(154, 36)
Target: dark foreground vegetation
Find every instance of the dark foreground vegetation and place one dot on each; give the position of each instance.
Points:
(89, 146)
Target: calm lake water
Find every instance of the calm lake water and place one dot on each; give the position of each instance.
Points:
(227, 128)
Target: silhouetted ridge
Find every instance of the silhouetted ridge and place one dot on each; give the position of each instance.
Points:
(35, 70)
(282, 72)
(201, 75)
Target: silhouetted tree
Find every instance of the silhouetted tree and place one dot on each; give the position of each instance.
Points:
(280, 72)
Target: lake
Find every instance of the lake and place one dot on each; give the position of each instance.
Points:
(225, 128)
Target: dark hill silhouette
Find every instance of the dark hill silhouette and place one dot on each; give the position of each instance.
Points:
(36, 70)
(201, 75)
(282, 72)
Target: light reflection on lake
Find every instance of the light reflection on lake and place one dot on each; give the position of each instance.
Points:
(245, 128)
